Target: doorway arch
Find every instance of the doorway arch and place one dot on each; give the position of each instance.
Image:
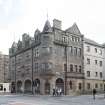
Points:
(27, 86)
(60, 84)
(19, 86)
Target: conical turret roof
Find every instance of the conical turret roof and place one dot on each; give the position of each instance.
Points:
(47, 27)
(37, 31)
(14, 44)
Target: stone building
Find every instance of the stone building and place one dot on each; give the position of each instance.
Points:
(94, 58)
(4, 68)
(51, 59)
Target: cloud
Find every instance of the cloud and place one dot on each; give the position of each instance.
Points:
(19, 16)
(6, 6)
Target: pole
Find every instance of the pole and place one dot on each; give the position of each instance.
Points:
(32, 72)
(15, 74)
(65, 70)
(4, 69)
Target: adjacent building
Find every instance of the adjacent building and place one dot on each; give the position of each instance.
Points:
(4, 68)
(94, 58)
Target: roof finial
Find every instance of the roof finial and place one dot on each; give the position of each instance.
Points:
(14, 37)
(47, 13)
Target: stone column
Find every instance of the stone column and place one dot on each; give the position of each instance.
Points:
(22, 88)
(42, 86)
(52, 85)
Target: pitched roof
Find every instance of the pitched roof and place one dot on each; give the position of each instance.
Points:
(74, 29)
(103, 44)
(14, 44)
(89, 41)
(47, 27)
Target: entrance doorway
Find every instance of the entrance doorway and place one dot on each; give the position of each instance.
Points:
(19, 86)
(27, 86)
(60, 84)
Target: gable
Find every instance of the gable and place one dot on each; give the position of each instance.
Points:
(74, 29)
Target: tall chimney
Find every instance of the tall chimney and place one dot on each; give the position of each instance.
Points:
(57, 24)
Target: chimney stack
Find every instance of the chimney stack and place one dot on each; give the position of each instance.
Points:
(57, 24)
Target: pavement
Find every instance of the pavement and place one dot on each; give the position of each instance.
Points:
(51, 100)
(18, 103)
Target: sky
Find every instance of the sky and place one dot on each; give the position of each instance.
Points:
(25, 16)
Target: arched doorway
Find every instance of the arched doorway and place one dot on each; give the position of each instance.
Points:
(19, 87)
(47, 88)
(13, 89)
(60, 84)
(37, 86)
(27, 86)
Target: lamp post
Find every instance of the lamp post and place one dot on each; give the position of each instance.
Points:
(65, 71)
(104, 88)
(15, 75)
(23, 76)
(32, 74)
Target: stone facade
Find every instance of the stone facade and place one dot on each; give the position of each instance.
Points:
(4, 68)
(93, 65)
(52, 59)
(56, 58)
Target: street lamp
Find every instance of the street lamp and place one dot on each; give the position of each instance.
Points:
(32, 73)
(23, 76)
(15, 75)
(65, 71)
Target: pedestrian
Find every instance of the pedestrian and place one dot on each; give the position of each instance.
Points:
(56, 91)
(104, 93)
(94, 93)
(53, 92)
(4, 90)
(60, 91)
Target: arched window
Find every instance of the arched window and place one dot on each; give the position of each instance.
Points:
(79, 86)
(71, 85)
(60, 84)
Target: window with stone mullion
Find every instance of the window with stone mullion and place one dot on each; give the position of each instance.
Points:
(75, 51)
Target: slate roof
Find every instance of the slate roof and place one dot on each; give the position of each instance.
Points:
(74, 29)
(92, 42)
(37, 31)
(47, 27)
